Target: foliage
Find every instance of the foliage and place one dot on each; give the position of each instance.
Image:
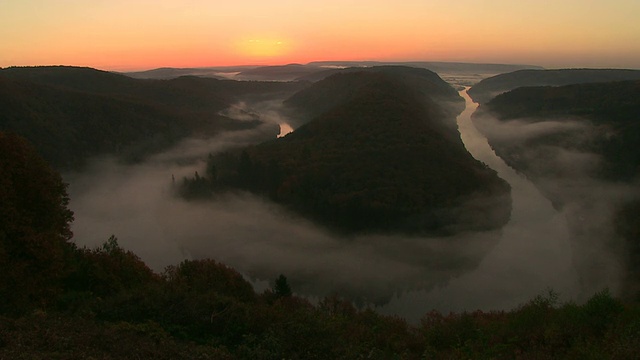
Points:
(601, 328)
(112, 306)
(385, 158)
(282, 288)
(345, 84)
(34, 226)
(488, 88)
(62, 336)
(611, 108)
(611, 132)
(71, 114)
(106, 270)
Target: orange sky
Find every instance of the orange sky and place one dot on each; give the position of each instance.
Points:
(132, 35)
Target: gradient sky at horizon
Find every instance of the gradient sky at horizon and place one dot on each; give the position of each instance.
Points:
(135, 35)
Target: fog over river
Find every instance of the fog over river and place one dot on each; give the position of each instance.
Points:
(262, 240)
(533, 256)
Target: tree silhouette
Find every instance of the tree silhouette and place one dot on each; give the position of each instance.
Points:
(282, 288)
(34, 226)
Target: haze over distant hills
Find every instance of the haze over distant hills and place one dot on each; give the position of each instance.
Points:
(222, 72)
(73, 113)
(318, 70)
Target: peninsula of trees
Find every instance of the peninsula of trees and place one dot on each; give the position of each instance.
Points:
(378, 151)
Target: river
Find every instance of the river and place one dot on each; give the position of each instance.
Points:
(532, 256)
(134, 202)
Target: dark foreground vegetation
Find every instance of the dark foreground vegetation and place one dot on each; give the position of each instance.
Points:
(60, 301)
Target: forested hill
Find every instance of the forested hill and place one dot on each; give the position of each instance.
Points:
(612, 107)
(72, 113)
(384, 156)
(488, 88)
(347, 83)
(189, 91)
(608, 138)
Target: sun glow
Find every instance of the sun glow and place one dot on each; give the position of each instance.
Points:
(119, 34)
(263, 48)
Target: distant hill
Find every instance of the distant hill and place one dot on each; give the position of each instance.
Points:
(187, 91)
(288, 72)
(172, 73)
(72, 113)
(435, 66)
(382, 154)
(318, 70)
(332, 67)
(488, 88)
(605, 143)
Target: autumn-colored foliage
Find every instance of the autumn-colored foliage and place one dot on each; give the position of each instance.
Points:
(34, 226)
(61, 302)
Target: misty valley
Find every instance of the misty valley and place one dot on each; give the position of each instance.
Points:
(381, 196)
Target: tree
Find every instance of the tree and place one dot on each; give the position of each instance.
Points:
(282, 288)
(34, 226)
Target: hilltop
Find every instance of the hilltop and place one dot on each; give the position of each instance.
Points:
(346, 84)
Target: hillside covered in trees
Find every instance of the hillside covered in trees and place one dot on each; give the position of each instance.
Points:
(487, 89)
(381, 153)
(594, 146)
(71, 113)
(61, 301)
(612, 108)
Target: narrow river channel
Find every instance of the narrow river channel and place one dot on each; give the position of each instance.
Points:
(532, 257)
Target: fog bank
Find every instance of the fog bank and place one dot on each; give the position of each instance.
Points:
(259, 238)
(534, 251)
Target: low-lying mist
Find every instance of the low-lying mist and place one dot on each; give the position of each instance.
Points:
(412, 275)
(568, 175)
(259, 238)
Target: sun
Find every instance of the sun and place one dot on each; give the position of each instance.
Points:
(263, 48)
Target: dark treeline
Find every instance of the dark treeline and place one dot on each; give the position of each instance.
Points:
(612, 107)
(488, 88)
(60, 301)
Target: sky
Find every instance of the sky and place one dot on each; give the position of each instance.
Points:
(144, 34)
